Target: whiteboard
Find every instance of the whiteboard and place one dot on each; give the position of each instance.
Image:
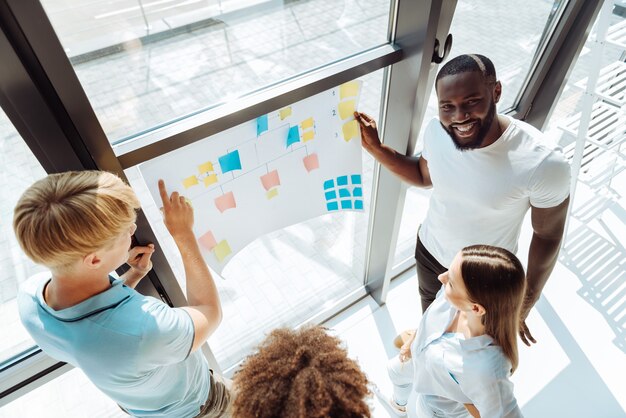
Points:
(285, 167)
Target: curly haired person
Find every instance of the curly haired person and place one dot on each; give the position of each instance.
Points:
(302, 373)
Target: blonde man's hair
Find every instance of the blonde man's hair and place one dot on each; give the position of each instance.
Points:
(63, 217)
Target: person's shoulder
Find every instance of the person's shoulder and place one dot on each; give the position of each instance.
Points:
(489, 364)
(28, 289)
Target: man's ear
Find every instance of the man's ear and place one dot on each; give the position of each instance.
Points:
(478, 309)
(92, 261)
(497, 91)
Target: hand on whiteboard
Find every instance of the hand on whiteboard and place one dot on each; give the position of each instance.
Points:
(177, 213)
(369, 132)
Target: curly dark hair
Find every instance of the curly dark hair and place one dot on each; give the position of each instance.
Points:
(302, 373)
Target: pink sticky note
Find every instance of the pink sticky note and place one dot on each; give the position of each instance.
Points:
(208, 241)
(311, 162)
(226, 201)
(270, 179)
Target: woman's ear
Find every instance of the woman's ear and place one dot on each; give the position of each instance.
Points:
(478, 309)
(91, 261)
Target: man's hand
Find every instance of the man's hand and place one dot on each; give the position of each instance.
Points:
(524, 332)
(140, 264)
(177, 213)
(369, 132)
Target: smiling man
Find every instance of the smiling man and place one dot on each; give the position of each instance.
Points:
(486, 171)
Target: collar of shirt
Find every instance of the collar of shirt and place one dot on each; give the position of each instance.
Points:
(108, 299)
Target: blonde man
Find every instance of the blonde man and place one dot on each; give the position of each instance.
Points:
(136, 349)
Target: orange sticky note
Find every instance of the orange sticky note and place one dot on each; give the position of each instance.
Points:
(222, 250)
(308, 135)
(346, 109)
(208, 241)
(272, 193)
(225, 202)
(350, 130)
(270, 180)
(349, 89)
(307, 123)
(206, 167)
(210, 179)
(284, 113)
(311, 162)
(190, 181)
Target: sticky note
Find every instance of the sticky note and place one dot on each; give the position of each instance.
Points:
(270, 180)
(190, 181)
(207, 241)
(332, 206)
(357, 192)
(293, 136)
(342, 181)
(350, 130)
(329, 184)
(346, 204)
(356, 178)
(261, 124)
(205, 168)
(330, 195)
(225, 202)
(344, 193)
(222, 250)
(358, 204)
(285, 113)
(308, 135)
(210, 179)
(272, 193)
(307, 123)
(230, 162)
(346, 109)
(311, 162)
(349, 89)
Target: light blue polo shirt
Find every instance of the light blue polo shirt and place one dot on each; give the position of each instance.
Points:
(134, 348)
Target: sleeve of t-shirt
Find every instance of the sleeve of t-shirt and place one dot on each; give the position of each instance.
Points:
(550, 183)
(428, 136)
(496, 400)
(168, 335)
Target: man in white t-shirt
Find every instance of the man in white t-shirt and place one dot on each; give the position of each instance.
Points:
(486, 170)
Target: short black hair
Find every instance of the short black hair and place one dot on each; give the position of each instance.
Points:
(468, 63)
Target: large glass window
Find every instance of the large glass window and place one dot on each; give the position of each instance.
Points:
(512, 34)
(18, 170)
(145, 64)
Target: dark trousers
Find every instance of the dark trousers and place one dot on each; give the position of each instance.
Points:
(428, 269)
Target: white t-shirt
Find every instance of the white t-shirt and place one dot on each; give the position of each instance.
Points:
(481, 196)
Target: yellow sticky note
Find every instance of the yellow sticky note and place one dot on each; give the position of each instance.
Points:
(346, 109)
(222, 250)
(350, 130)
(210, 179)
(284, 113)
(307, 123)
(190, 181)
(308, 135)
(349, 89)
(272, 193)
(206, 167)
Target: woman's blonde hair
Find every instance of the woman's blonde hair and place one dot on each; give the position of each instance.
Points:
(495, 279)
(63, 217)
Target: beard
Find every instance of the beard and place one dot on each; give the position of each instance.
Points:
(483, 128)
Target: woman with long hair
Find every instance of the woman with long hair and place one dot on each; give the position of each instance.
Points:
(461, 357)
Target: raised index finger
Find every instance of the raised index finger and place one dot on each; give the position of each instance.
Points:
(163, 193)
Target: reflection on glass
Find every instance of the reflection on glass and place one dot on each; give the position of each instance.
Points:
(286, 277)
(518, 28)
(18, 170)
(145, 63)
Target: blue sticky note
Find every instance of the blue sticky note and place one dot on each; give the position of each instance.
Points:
(344, 193)
(293, 136)
(357, 192)
(342, 181)
(346, 204)
(261, 125)
(332, 206)
(356, 179)
(358, 204)
(330, 195)
(329, 184)
(230, 162)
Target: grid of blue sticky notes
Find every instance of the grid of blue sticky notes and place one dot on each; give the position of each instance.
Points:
(293, 136)
(261, 124)
(344, 193)
(230, 162)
